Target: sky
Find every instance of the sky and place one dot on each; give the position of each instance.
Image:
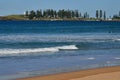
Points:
(8, 7)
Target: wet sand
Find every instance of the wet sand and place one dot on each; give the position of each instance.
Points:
(108, 73)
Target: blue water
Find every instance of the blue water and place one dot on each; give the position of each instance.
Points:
(31, 48)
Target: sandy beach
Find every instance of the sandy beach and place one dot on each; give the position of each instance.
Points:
(108, 73)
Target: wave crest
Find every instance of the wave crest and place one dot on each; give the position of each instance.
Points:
(36, 50)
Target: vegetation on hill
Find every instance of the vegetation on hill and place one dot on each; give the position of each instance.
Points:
(53, 14)
(63, 14)
(16, 17)
(68, 15)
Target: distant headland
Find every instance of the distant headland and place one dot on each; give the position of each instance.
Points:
(53, 15)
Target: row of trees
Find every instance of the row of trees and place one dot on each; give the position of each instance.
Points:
(62, 14)
(100, 14)
(50, 13)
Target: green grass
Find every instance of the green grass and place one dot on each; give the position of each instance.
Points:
(16, 17)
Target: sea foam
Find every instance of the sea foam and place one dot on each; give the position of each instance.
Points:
(37, 50)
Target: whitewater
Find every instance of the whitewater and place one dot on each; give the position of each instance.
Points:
(50, 49)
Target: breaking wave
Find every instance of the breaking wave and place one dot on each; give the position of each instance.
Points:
(37, 50)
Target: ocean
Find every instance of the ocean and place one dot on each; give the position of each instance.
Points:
(32, 48)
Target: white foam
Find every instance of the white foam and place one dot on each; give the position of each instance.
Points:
(70, 47)
(116, 40)
(16, 51)
(117, 58)
(91, 58)
(36, 50)
(108, 62)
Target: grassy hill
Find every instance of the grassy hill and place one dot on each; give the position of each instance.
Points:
(15, 17)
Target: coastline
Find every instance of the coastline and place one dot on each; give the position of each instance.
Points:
(60, 20)
(91, 74)
(23, 18)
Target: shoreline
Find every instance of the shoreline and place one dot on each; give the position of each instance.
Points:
(77, 75)
(64, 20)
(22, 18)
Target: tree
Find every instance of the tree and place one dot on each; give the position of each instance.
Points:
(119, 13)
(80, 15)
(26, 13)
(44, 14)
(86, 15)
(32, 14)
(104, 15)
(101, 14)
(38, 14)
(59, 13)
(52, 13)
(55, 14)
(72, 14)
(76, 13)
(97, 14)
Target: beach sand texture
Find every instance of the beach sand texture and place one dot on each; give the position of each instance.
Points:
(104, 76)
(108, 73)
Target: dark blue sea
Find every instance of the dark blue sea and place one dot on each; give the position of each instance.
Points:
(32, 48)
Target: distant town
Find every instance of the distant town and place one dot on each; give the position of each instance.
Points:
(50, 14)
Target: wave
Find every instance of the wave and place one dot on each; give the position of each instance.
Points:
(70, 47)
(91, 58)
(37, 50)
(58, 38)
(117, 58)
(116, 40)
